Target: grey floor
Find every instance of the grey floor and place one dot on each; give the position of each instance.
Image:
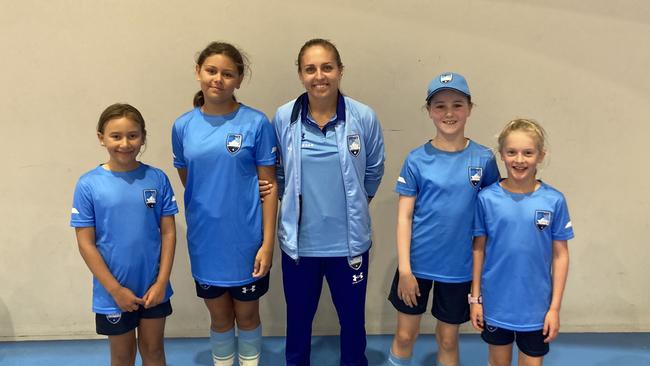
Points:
(583, 349)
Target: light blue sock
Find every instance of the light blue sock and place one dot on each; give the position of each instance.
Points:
(397, 361)
(223, 347)
(249, 346)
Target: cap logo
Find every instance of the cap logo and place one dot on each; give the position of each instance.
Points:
(446, 78)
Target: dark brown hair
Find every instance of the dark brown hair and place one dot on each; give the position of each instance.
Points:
(119, 110)
(328, 45)
(220, 48)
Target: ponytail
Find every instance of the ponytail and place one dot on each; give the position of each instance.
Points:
(199, 100)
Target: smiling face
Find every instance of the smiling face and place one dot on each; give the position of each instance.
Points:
(320, 73)
(449, 110)
(123, 139)
(218, 77)
(521, 154)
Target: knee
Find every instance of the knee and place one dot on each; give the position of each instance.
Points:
(497, 363)
(153, 353)
(123, 358)
(222, 324)
(447, 343)
(248, 321)
(492, 361)
(405, 339)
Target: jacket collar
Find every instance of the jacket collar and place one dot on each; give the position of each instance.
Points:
(301, 107)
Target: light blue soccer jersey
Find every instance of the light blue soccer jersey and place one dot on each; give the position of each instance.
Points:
(520, 228)
(323, 223)
(222, 204)
(445, 185)
(125, 208)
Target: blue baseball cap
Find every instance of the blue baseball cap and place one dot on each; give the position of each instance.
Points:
(448, 80)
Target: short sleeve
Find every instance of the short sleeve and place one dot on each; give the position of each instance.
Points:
(562, 226)
(491, 172)
(407, 182)
(479, 218)
(83, 209)
(265, 144)
(177, 146)
(169, 200)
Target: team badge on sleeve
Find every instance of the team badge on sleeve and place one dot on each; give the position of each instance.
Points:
(354, 144)
(149, 197)
(475, 175)
(233, 142)
(542, 219)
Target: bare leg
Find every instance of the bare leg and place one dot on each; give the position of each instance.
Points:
(123, 349)
(151, 336)
(222, 313)
(222, 335)
(525, 360)
(408, 328)
(500, 355)
(447, 338)
(247, 314)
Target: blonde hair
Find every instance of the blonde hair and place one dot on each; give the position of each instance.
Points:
(529, 126)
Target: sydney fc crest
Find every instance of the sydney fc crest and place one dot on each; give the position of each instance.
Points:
(233, 142)
(354, 145)
(149, 197)
(355, 262)
(114, 318)
(542, 219)
(475, 175)
(446, 78)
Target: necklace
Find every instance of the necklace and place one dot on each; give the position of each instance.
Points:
(326, 117)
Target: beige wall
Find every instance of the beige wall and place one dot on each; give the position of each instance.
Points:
(579, 69)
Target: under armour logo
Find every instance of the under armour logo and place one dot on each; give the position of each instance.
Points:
(246, 290)
(357, 278)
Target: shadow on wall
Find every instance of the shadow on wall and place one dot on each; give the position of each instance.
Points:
(6, 325)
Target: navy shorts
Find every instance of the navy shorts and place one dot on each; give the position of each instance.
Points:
(530, 343)
(449, 300)
(121, 323)
(249, 292)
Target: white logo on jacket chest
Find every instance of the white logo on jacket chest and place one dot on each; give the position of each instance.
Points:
(354, 145)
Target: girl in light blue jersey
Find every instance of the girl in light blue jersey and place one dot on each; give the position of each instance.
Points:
(221, 148)
(123, 215)
(437, 187)
(521, 258)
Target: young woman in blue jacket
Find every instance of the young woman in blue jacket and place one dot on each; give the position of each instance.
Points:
(330, 164)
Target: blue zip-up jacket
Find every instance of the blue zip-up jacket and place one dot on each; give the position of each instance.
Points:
(361, 151)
